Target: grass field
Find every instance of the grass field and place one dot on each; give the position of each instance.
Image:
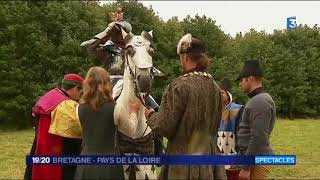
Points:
(299, 137)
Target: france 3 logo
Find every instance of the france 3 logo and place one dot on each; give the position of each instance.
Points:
(291, 23)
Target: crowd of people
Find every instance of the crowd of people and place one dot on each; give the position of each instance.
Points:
(197, 116)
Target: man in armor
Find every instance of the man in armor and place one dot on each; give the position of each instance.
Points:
(107, 47)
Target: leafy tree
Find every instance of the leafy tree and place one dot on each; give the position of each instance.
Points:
(40, 43)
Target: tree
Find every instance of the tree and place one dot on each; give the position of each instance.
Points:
(251, 46)
(40, 43)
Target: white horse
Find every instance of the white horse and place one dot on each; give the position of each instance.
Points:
(135, 137)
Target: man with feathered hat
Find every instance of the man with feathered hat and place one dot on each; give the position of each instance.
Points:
(189, 113)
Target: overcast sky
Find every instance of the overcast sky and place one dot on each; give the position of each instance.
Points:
(236, 16)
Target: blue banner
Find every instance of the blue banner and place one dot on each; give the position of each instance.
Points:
(291, 23)
(163, 160)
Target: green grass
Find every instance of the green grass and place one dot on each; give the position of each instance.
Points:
(299, 137)
(14, 146)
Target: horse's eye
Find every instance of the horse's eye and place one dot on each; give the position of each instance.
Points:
(150, 51)
(130, 51)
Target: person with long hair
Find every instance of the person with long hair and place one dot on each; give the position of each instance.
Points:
(95, 112)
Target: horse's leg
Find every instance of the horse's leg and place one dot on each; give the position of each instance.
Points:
(139, 172)
(126, 171)
(133, 172)
(146, 172)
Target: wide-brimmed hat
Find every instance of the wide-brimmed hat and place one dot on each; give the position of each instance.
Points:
(251, 68)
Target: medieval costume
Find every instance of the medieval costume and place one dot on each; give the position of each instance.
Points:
(96, 115)
(98, 139)
(58, 131)
(257, 122)
(189, 113)
(108, 47)
(227, 132)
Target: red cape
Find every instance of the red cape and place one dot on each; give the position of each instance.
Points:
(48, 144)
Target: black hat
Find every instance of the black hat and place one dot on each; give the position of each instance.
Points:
(225, 84)
(189, 44)
(251, 68)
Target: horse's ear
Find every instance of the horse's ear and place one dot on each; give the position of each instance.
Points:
(126, 36)
(147, 35)
(151, 33)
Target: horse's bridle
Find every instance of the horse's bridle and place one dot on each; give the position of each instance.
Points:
(135, 84)
(136, 90)
(137, 93)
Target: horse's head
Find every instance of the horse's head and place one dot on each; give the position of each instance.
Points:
(138, 57)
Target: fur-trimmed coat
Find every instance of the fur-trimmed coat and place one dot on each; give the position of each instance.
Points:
(189, 114)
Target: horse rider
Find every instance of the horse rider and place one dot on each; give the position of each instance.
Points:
(107, 47)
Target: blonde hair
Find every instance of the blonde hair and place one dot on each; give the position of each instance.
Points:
(97, 88)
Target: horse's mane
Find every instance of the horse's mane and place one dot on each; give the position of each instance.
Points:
(118, 67)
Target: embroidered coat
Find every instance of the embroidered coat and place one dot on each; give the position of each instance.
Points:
(189, 113)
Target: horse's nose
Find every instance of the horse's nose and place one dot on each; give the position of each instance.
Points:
(144, 78)
(144, 82)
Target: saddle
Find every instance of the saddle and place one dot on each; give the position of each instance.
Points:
(117, 84)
